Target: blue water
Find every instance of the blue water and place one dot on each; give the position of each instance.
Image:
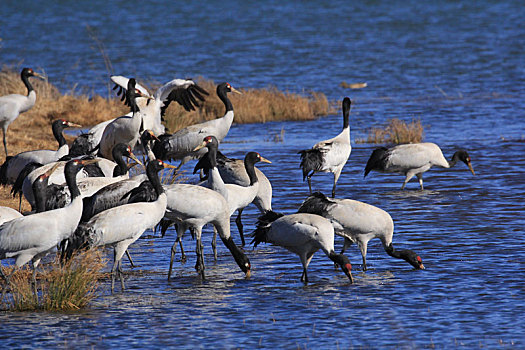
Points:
(459, 67)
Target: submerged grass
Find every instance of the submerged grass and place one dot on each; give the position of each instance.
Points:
(396, 132)
(70, 286)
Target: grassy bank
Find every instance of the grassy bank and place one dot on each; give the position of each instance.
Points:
(32, 129)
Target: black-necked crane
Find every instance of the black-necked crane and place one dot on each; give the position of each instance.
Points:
(29, 238)
(184, 91)
(59, 195)
(152, 108)
(329, 156)
(302, 234)
(39, 190)
(181, 144)
(13, 104)
(124, 129)
(191, 206)
(121, 226)
(102, 168)
(413, 160)
(119, 193)
(12, 167)
(237, 196)
(359, 222)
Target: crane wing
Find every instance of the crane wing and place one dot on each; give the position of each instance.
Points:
(121, 83)
(183, 91)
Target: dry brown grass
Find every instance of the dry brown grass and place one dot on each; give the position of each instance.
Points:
(32, 129)
(62, 287)
(396, 132)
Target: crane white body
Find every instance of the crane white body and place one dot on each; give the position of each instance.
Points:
(413, 160)
(302, 234)
(8, 214)
(13, 104)
(358, 222)
(329, 155)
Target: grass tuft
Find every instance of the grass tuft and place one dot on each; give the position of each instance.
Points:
(396, 132)
(70, 286)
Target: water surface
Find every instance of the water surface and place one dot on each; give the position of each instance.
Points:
(458, 67)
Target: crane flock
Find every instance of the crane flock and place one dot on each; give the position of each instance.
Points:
(84, 196)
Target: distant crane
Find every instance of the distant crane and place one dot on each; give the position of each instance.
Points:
(12, 105)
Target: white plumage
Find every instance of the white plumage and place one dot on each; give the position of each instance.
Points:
(12, 105)
(359, 222)
(329, 155)
(123, 225)
(302, 234)
(237, 196)
(13, 166)
(32, 237)
(191, 206)
(413, 160)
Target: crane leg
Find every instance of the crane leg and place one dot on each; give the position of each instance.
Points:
(7, 281)
(183, 255)
(173, 251)
(304, 276)
(310, 183)
(199, 265)
(238, 221)
(33, 277)
(420, 179)
(214, 243)
(129, 258)
(5, 140)
(121, 275)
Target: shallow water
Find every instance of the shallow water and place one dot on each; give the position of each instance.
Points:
(468, 229)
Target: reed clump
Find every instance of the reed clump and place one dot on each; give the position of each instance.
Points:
(69, 286)
(396, 132)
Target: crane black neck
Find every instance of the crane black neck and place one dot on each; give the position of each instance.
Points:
(25, 80)
(58, 127)
(152, 172)
(249, 165)
(406, 254)
(346, 112)
(39, 193)
(223, 95)
(121, 168)
(70, 171)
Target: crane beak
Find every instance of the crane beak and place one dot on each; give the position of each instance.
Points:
(248, 274)
(235, 90)
(264, 160)
(166, 165)
(35, 74)
(73, 125)
(90, 161)
(132, 156)
(153, 135)
(471, 168)
(52, 170)
(202, 145)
